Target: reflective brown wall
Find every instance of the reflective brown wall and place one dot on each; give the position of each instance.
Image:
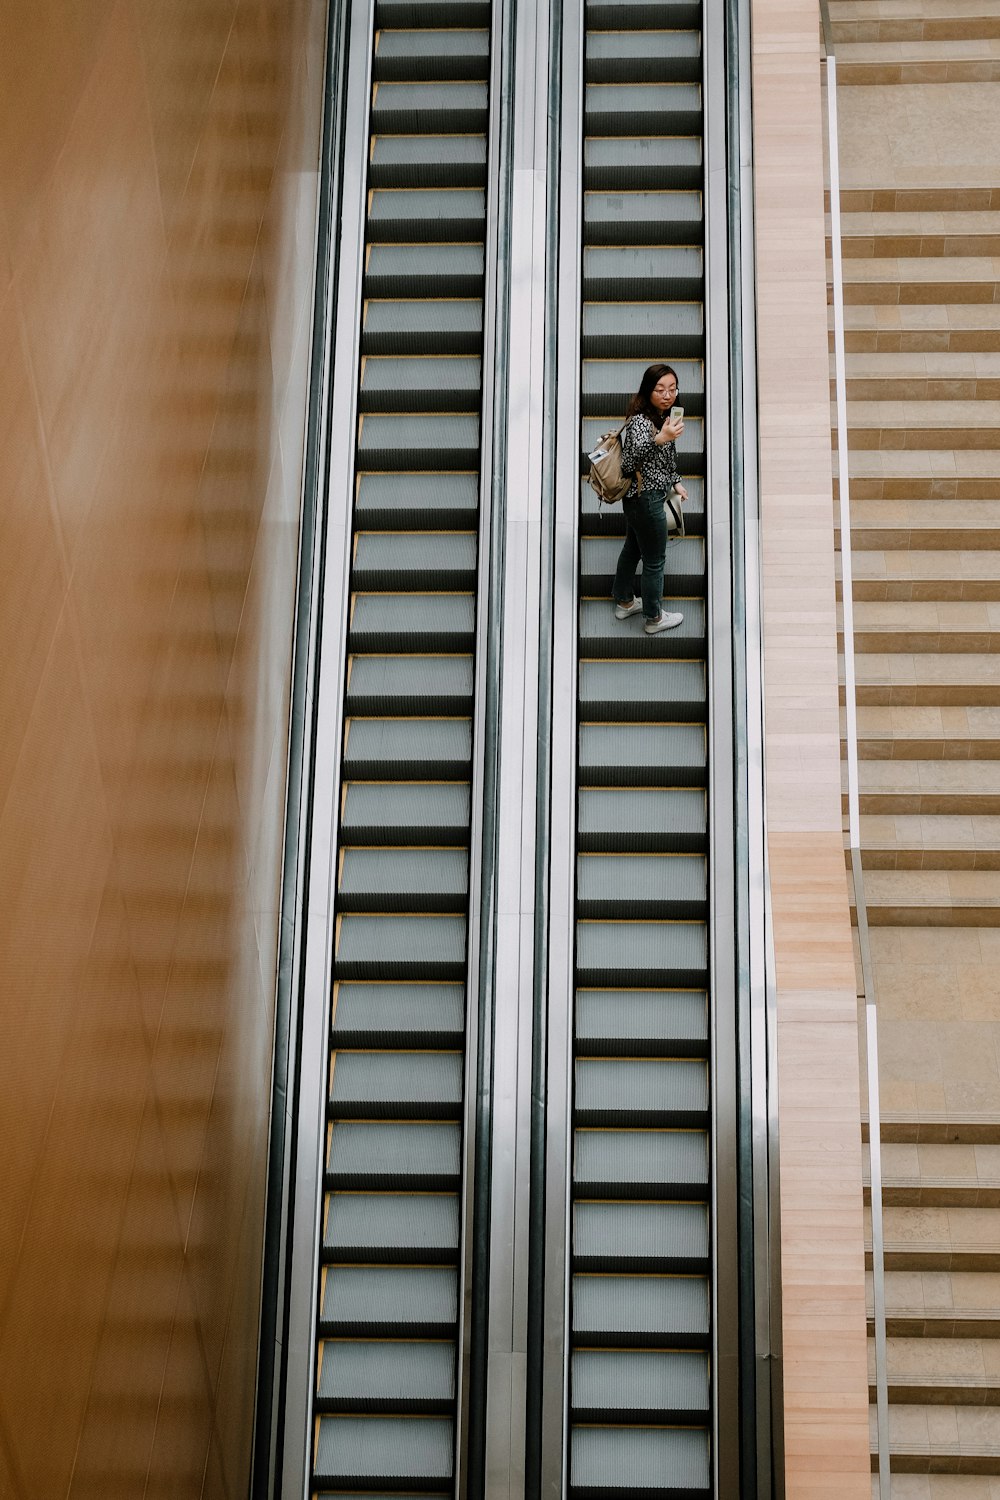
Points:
(157, 208)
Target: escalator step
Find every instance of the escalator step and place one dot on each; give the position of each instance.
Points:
(402, 813)
(637, 953)
(604, 523)
(611, 382)
(400, 622)
(429, 108)
(415, 561)
(603, 635)
(401, 685)
(650, 690)
(415, 55)
(643, 1091)
(640, 1386)
(374, 1228)
(639, 330)
(400, 947)
(431, 501)
(385, 1157)
(637, 1023)
(450, 382)
(640, 1163)
(421, 1301)
(432, 441)
(643, 57)
(642, 15)
(622, 162)
(642, 108)
(398, 1452)
(412, 1377)
(397, 1085)
(635, 755)
(385, 880)
(641, 885)
(451, 325)
(442, 13)
(426, 215)
(640, 1237)
(640, 218)
(406, 271)
(397, 1015)
(424, 161)
(613, 1461)
(684, 571)
(642, 821)
(633, 1310)
(418, 748)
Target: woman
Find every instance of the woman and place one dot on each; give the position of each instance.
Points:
(648, 450)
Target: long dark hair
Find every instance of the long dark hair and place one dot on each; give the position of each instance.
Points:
(641, 403)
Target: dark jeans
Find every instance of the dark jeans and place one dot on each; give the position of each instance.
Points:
(645, 538)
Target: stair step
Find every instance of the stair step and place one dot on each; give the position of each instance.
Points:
(366, 1453)
(413, 1377)
(388, 813)
(642, 821)
(641, 1023)
(387, 1301)
(641, 953)
(650, 1237)
(627, 1311)
(386, 1157)
(398, 1015)
(640, 1163)
(639, 1386)
(387, 1228)
(420, 749)
(396, 1086)
(641, 885)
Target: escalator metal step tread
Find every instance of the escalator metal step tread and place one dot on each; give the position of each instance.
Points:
(399, 1015)
(652, 690)
(403, 880)
(364, 1153)
(616, 377)
(632, 755)
(622, 162)
(400, 1085)
(657, 953)
(685, 561)
(634, 50)
(410, 684)
(451, 440)
(386, 1376)
(669, 1163)
(395, 272)
(625, 1090)
(634, 103)
(376, 748)
(640, 1236)
(621, 1309)
(393, 500)
(641, 885)
(428, 213)
(390, 13)
(665, 209)
(362, 1452)
(428, 150)
(401, 947)
(425, 47)
(390, 812)
(640, 1385)
(397, 379)
(606, 1461)
(388, 1227)
(392, 325)
(641, 820)
(438, 97)
(608, 15)
(603, 634)
(614, 321)
(422, 1300)
(429, 622)
(640, 1022)
(450, 555)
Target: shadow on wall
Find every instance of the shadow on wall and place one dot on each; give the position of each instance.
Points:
(157, 203)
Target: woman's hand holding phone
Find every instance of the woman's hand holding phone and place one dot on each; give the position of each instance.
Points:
(672, 427)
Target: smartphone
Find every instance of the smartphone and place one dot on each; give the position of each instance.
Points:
(677, 414)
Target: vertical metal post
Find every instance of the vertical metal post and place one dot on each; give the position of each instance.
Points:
(853, 799)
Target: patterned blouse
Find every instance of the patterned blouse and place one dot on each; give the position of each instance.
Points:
(657, 462)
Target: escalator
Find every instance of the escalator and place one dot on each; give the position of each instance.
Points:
(571, 1283)
(386, 1377)
(640, 1357)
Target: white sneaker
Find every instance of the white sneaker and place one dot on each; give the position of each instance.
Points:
(622, 611)
(665, 622)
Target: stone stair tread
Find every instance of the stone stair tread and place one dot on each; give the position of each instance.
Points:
(902, 565)
(911, 777)
(925, 463)
(922, 414)
(922, 364)
(860, 270)
(967, 725)
(919, 50)
(920, 316)
(945, 667)
(937, 1126)
(911, 222)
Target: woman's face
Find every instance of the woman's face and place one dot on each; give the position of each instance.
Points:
(664, 393)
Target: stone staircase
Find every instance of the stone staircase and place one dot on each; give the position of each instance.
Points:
(920, 167)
